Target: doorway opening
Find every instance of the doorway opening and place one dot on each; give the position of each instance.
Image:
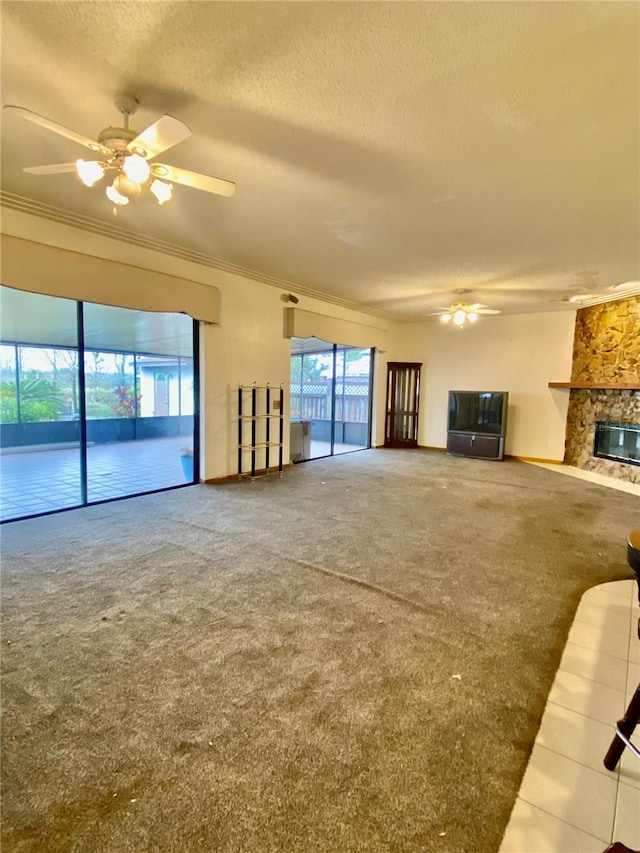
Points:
(331, 394)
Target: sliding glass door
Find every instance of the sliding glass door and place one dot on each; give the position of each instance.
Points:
(139, 403)
(352, 399)
(41, 459)
(97, 403)
(330, 399)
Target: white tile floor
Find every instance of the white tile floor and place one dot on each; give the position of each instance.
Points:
(568, 800)
(38, 481)
(591, 476)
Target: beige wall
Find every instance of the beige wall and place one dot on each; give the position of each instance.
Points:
(519, 354)
(248, 345)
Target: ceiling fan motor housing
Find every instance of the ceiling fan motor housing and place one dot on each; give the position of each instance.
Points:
(116, 138)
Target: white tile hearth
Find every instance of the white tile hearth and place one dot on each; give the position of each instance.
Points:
(568, 800)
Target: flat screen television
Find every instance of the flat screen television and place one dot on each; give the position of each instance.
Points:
(478, 411)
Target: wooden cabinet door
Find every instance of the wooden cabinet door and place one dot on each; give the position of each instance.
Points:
(403, 394)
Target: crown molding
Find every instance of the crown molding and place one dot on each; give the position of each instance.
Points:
(32, 207)
(613, 296)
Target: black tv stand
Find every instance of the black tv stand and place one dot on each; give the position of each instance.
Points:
(477, 424)
(476, 445)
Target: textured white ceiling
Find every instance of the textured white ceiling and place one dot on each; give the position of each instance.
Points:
(385, 153)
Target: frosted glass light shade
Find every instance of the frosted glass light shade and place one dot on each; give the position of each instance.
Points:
(89, 171)
(114, 196)
(126, 187)
(161, 190)
(136, 168)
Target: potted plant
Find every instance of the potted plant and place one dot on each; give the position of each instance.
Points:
(186, 458)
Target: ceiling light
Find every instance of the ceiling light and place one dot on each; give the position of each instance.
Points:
(461, 313)
(127, 154)
(89, 171)
(161, 191)
(582, 297)
(625, 285)
(114, 196)
(126, 187)
(136, 168)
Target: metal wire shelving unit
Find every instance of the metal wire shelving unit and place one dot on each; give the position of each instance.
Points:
(256, 431)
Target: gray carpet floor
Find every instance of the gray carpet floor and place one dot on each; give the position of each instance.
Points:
(354, 657)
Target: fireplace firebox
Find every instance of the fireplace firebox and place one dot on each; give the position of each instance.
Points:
(618, 441)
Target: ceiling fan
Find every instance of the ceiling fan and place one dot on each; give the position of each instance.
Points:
(127, 155)
(460, 313)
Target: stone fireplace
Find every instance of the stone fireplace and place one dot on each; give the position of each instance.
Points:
(605, 384)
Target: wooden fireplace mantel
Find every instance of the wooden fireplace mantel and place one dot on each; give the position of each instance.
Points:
(599, 386)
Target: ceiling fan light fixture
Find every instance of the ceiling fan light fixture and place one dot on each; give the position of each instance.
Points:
(461, 313)
(161, 190)
(582, 297)
(126, 187)
(89, 171)
(625, 285)
(127, 153)
(136, 168)
(114, 196)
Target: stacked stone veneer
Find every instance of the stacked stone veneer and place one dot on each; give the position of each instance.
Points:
(606, 348)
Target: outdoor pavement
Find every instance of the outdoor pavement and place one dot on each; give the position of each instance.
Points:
(38, 481)
(45, 480)
(323, 448)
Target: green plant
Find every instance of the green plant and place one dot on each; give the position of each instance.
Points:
(126, 404)
(40, 400)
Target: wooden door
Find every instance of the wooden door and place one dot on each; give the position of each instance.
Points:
(403, 393)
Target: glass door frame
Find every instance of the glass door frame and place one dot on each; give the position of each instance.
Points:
(82, 418)
(334, 349)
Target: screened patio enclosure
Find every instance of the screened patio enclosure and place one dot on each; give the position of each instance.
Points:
(330, 399)
(96, 402)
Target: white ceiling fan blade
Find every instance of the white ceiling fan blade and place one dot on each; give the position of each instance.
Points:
(193, 179)
(55, 127)
(53, 169)
(488, 311)
(159, 136)
(477, 305)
